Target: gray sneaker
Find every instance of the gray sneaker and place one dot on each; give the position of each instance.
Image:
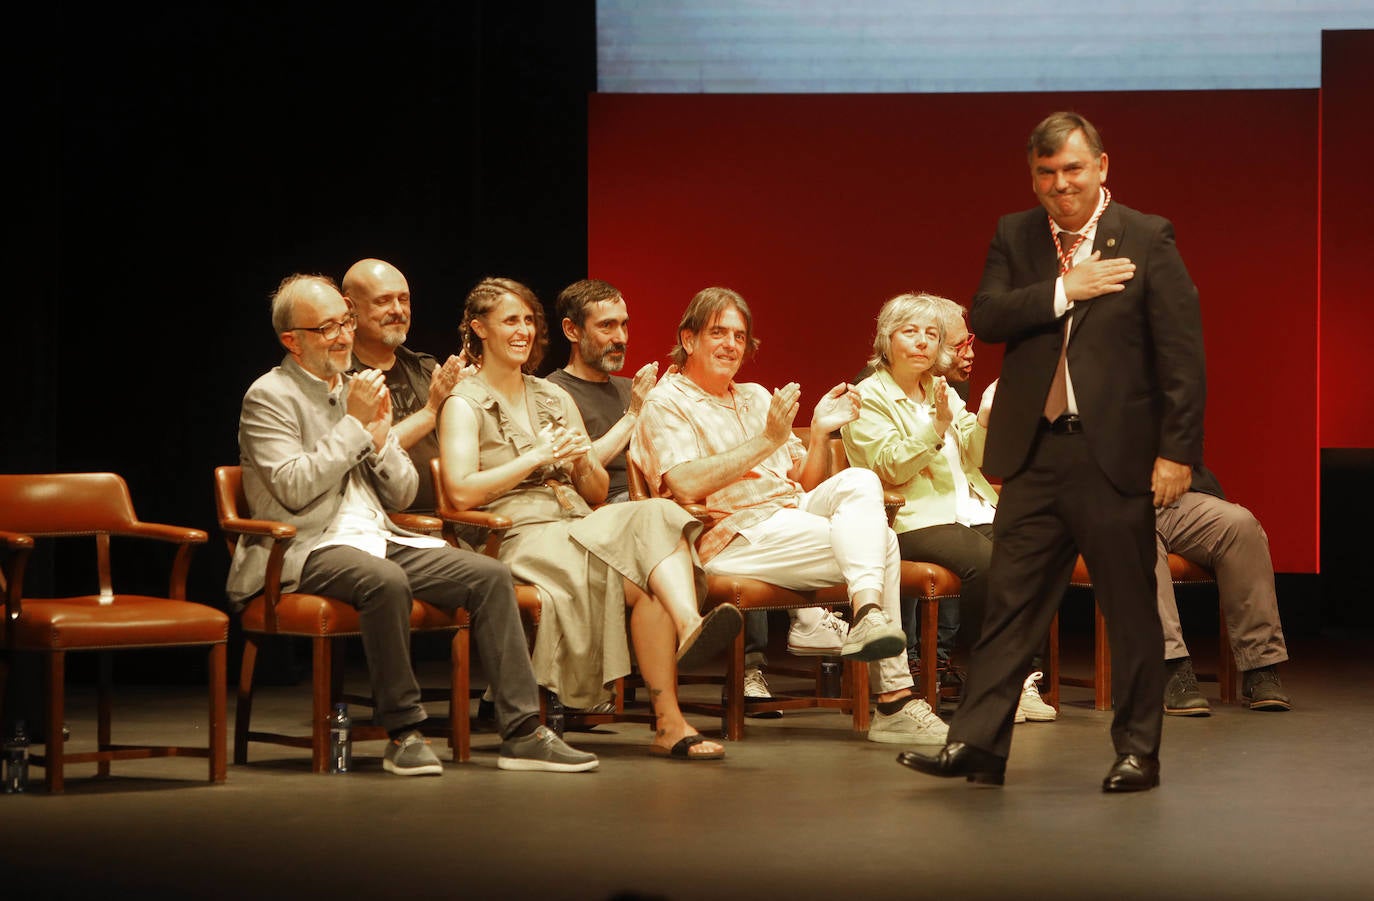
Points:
(411, 755)
(543, 751)
(914, 724)
(874, 637)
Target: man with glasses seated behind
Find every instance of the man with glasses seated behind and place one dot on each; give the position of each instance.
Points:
(319, 452)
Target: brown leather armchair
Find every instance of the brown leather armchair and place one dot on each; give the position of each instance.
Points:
(98, 504)
(1183, 572)
(326, 622)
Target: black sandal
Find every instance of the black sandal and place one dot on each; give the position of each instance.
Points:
(683, 749)
(718, 628)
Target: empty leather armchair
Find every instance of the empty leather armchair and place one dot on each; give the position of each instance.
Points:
(98, 504)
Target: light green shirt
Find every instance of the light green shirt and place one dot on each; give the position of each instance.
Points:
(895, 437)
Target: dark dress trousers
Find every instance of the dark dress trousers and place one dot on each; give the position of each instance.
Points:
(1136, 363)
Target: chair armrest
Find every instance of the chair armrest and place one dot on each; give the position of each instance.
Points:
(282, 534)
(161, 532)
(479, 518)
(699, 511)
(892, 503)
(265, 528)
(495, 524)
(16, 540)
(20, 546)
(186, 537)
(417, 522)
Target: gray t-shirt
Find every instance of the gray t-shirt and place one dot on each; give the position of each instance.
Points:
(601, 405)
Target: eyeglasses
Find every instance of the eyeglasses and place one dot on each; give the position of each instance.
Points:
(330, 330)
(964, 344)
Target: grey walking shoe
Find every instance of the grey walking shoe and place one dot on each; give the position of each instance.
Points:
(1181, 694)
(411, 755)
(543, 751)
(873, 637)
(1262, 690)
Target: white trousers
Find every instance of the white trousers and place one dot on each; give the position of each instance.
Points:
(839, 535)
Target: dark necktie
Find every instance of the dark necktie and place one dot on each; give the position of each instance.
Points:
(1057, 401)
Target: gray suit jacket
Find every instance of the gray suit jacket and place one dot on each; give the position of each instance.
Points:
(297, 445)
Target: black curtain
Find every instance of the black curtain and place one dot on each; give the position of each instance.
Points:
(184, 160)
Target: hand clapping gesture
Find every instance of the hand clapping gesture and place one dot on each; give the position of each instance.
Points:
(446, 377)
(939, 405)
(644, 381)
(369, 402)
(782, 410)
(985, 405)
(560, 446)
(839, 407)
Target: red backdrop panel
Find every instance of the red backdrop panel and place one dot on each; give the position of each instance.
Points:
(817, 208)
(1347, 310)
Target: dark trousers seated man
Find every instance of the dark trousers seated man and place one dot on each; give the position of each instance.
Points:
(1202, 526)
(318, 452)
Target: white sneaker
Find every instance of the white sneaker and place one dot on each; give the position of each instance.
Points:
(755, 686)
(1031, 706)
(756, 689)
(824, 639)
(914, 724)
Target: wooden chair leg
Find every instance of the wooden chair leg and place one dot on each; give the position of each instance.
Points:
(55, 677)
(858, 694)
(4, 680)
(104, 708)
(1052, 663)
(1102, 662)
(322, 682)
(460, 726)
(930, 660)
(1226, 661)
(217, 662)
(243, 710)
(732, 716)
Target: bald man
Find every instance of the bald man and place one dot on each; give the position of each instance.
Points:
(380, 296)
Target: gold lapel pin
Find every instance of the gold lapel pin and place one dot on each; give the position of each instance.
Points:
(1111, 242)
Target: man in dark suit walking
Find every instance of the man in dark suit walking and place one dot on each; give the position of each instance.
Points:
(1098, 419)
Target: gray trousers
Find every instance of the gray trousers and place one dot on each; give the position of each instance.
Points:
(448, 578)
(1227, 539)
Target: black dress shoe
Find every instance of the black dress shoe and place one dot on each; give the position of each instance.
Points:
(1132, 773)
(958, 759)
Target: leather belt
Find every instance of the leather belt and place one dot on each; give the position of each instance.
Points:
(1068, 424)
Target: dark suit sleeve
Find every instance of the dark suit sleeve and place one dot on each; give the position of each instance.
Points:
(1180, 365)
(1000, 311)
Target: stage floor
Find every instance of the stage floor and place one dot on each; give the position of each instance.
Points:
(1252, 805)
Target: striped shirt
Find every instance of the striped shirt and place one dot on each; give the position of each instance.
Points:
(680, 423)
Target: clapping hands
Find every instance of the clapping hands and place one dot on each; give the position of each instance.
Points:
(839, 407)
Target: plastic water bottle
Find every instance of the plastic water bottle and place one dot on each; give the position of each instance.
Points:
(340, 740)
(554, 716)
(15, 777)
(832, 672)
